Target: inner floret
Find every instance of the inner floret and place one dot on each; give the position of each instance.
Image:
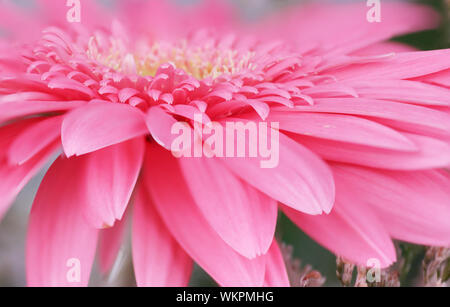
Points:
(201, 60)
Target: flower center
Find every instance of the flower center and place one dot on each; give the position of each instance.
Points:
(200, 60)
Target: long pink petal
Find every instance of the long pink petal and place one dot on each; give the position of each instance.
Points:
(99, 125)
(276, 274)
(413, 206)
(34, 139)
(60, 243)
(351, 231)
(16, 109)
(301, 180)
(9, 133)
(110, 175)
(14, 178)
(383, 48)
(441, 78)
(242, 216)
(432, 153)
(110, 241)
(406, 65)
(159, 261)
(308, 24)
(417, 119)
(342, 128)
(403, 91)
(185, 221)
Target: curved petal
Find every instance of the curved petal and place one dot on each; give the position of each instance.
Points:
(159, 261)
(307, 24)
(110, 175)
(242, 216)
(160, 124)
(16, 109)
(412, 206)
(351, 231)
(408, 91)
(167, 16)
(342, 128)
(99, 125)
(404, 65)
(383, 48)
(14, 178)
(187, 224)
(441, 78)
(60, 244)
(301, 180)
(276, 274)
(9, 133)
(432, 153)
(34, 139)
(110, 241)
(417, 119)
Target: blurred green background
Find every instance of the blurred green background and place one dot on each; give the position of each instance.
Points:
(13, 227)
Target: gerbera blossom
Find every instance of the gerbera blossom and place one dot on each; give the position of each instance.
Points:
(365, 130)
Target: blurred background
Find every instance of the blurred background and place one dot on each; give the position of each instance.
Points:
(13, 227)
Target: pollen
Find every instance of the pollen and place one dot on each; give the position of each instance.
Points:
(200, 60)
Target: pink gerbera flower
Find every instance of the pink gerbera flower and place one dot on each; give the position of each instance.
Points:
(365, 130)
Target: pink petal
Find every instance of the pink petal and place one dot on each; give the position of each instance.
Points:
(159, 261)
(432, 153)
(276, 274)
(99, 125)
(191, 112)
(342, 128)
(308, 24)
(242, 216)
(110, 241)
(412, 206)
(9, 133)
(406, 65)
(441, 78)
(189, 227)
(59, 241)
(126, 94)
(110, 175)
(14, 178)
(403, 91)
(71, 87)
(11, 110)
(160, 124)
(351, 231)
(383, 48)
(416, 119)
(34, 139)
(301, 180)
(28, 96)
